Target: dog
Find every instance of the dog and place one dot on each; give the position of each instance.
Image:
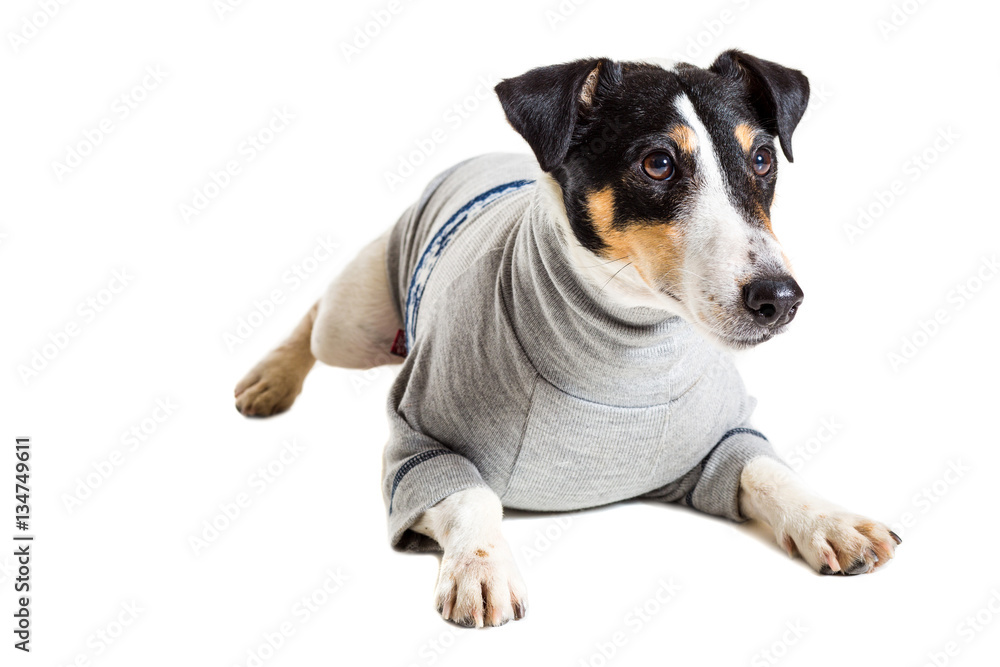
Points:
(563, 323)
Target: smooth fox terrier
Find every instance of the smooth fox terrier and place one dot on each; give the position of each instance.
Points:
(563, 321)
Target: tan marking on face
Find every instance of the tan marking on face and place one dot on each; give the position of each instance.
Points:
(601, 204)
(745, 135)
(656, 251)
(684, 137)
(481, 553)
(765, 218)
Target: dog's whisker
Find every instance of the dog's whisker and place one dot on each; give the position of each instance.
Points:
(610, 261)
(680, 268)
(615, 275)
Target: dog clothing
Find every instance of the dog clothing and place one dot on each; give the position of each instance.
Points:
(522, 377)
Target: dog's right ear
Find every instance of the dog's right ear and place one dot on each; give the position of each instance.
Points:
(543, 105)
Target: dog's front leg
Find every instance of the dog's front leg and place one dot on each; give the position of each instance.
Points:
(478, 583)
(830, 539)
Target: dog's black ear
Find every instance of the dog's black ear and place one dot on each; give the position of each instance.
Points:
(543, 104)
(778, 94)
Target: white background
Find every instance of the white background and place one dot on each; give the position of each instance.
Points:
(879, 98)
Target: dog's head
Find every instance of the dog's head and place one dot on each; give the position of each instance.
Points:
(667, 176)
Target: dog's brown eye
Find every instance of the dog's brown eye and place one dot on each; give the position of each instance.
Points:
(658, 166)
(762, 161)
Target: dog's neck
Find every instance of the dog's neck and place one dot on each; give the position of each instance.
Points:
(603, 346)
(616, 280)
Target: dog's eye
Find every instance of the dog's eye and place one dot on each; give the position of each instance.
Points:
(762, 161)
(658, 166)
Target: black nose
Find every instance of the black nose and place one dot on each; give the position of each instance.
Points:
(772, 303)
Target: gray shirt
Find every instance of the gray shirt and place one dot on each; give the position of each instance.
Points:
(522, 377)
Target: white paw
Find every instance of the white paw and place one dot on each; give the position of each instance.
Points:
(481, 586)
(834, 541)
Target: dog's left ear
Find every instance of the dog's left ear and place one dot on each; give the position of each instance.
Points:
(778, 94)
(543, 105)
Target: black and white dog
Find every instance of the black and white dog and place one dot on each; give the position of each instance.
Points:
(660, 178)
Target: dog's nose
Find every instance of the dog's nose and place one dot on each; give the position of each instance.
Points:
(772, 303)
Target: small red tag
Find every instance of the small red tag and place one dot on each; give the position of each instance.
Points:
(399, 345)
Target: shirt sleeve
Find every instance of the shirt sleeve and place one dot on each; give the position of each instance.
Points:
(713, 486)
(417, 473)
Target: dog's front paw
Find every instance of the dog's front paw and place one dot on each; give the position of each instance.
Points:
(834, 541)
(481, 587)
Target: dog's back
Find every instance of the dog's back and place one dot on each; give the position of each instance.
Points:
(468, 211)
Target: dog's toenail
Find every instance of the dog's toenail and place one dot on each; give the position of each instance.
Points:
(857, 567)
(896, 537)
